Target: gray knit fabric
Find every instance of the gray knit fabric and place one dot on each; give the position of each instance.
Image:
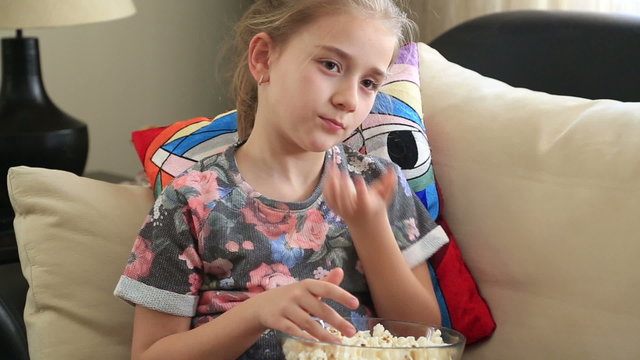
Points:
(211, 241)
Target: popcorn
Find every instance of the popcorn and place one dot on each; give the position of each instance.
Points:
(371, 345)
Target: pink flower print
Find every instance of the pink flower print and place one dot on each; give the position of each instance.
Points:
(196, 213)
(205, 182)
(244, 186)
(335, 152)
(271, 222)
(411, 229)
(191, 257)
(201, 320)
(320, 273)
(220, 268)
(140, 261)
(247, 245)
(212, 302)
(232, 246)
(196, 282)
(267, 277)
(313, 234)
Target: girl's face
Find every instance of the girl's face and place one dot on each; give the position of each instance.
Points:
(323, 81)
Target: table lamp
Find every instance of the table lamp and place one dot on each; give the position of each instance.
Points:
(33, 130)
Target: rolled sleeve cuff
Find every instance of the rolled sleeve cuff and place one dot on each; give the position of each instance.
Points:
(425, 247)
(136, 292)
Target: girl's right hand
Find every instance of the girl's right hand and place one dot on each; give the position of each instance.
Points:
(292, 308)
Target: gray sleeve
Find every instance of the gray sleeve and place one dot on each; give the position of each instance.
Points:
(418, 236)
(164, 270)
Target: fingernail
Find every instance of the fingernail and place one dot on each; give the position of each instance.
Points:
(352, 331)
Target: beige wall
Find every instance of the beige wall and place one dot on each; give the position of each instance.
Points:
(153, 68)
(160, 65)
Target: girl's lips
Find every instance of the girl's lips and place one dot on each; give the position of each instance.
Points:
(333, 123)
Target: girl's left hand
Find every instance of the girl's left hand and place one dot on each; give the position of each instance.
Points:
(353, 200)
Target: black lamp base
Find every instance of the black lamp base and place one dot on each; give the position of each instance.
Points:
(33, 130)
(64, 149)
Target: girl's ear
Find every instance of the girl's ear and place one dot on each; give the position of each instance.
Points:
(261, 49)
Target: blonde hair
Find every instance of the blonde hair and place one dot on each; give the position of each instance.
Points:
(281, 19)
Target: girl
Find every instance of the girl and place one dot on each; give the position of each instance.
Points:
(262, 235)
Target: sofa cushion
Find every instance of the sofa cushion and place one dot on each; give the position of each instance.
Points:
(74, 235)
(543, 194)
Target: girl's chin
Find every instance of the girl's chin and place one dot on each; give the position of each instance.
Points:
(316, 143)
(322, 146)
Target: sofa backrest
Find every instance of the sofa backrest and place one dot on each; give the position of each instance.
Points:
(589, 55)
(541, 191)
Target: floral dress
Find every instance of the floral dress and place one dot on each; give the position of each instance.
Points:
(211, 241)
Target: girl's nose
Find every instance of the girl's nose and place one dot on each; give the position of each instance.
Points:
(345, 97)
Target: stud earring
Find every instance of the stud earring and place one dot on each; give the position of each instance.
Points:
(262, 81)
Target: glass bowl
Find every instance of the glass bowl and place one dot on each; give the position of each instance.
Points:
(401, 341)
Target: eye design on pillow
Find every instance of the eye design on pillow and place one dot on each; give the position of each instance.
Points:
(394, 131)
(394, 128)
(400, 141)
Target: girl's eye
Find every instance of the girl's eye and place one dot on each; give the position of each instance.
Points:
(370, 84)
(331, 65)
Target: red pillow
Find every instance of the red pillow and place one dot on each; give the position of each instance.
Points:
(143, 138)
(468, 311)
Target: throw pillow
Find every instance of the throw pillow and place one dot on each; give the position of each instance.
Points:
(74, 235)
(543, 190)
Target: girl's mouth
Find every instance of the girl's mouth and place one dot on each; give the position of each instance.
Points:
(333, 124)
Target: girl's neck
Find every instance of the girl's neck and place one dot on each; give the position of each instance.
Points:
(279, 171)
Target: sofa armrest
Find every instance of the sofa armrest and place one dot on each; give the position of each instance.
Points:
(13, 338)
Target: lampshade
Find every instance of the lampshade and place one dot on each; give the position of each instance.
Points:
(21, 14)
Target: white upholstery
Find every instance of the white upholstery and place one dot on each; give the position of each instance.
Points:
(543, 195)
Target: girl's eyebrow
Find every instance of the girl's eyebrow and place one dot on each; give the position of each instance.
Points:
(343, 54)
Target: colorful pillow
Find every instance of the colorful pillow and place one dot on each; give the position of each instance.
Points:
(180, 145)
(394, 130)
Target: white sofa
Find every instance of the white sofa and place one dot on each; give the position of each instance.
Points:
(541, 191)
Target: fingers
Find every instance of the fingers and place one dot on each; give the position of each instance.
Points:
(328, 290)
(354, 199)
(346, 193)
(386, 184)
(307, 327)
(347, 184)
(330, 190)
(335, 276)
(320, 310)
(305, 304)
(339, 191)
(291, 328)
(361, 188)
